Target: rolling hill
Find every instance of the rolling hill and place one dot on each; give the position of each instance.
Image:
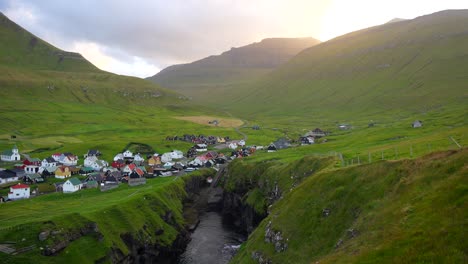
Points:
(408, 68)
(51, 100)
(238, 65)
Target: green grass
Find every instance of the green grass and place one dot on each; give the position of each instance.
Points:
(126, 210)
(403, 212)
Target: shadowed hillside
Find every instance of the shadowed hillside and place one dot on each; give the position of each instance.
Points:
(235, 66)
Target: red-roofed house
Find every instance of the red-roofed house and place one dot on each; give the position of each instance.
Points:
(129, 168)
(19, 191)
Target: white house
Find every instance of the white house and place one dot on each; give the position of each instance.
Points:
(119, 156)
(241, 143)
(177, 154)
(72, 185)
(138, 158)
(8, 176)
(69, 160)
(233, 145)
(56, 156)
(31, 169)
(201, 147)
(10, 155)
(128, 154)
(98, 165)
(19, 191)
(166, 157)
(49, 162)
(89, 160)
(129, 168)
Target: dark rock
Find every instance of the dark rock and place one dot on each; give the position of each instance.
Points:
(258, 256)
(276, 238)
(326, 212)
(44, 235)
(339, 243)
(352, 233)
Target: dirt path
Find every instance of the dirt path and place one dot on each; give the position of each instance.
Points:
(237, 129)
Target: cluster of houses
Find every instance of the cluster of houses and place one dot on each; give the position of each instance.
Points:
(126, 167)
(200, 139)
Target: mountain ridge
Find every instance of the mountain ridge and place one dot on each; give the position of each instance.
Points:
(232, 66)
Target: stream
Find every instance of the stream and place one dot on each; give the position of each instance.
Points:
(212, 241)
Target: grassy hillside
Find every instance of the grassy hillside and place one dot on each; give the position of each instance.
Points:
(136, 211)
(231, 68)
(387, 212)
(53, 100)
(410, 67)
(21, 49)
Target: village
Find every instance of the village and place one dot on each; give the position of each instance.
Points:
(64, 172)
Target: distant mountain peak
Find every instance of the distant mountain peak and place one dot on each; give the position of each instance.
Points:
(237, 64)
(396, 19)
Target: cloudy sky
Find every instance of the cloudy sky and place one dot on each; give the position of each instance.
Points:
(141, 37)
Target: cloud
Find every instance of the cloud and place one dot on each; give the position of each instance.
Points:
(137, 36)
(156, 33)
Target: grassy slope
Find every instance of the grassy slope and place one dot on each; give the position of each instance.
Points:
(405, 68)
(233, 67)
(53, 104)
(404, 212)
(116, 212)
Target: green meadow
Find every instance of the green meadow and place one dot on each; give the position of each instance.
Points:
(406, 211)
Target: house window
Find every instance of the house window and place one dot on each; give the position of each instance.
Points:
(17, 194)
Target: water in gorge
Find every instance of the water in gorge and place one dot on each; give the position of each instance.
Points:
(212, 241)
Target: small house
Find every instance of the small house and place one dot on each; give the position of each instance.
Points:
(32, 161)
(68, 159)
(8, 176)
(137, 173)
(138, 158)
(30, 169)
(233, 145)
(33, 178)
(99, 165)
(56, 156)
(271, 148)
(128, 154)
(155, 160)
(86, 170)
(49, 162)
(19, 172)
(88, 161)
(118, 164)
(129, 169)
(62, 172)
(19, 191)
(201, 147)
(282, 143)
(91, 184)
(316, 133)
(11, 155)
(72, 185)
(417, 124)
(93, 153)
(119, 156)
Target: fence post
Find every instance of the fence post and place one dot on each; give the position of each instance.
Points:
(370, 158)
(382, 156)
(411, 150)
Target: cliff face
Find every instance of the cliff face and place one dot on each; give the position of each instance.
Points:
(251, 187)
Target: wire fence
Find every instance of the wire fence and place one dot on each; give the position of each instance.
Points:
(404, 150)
